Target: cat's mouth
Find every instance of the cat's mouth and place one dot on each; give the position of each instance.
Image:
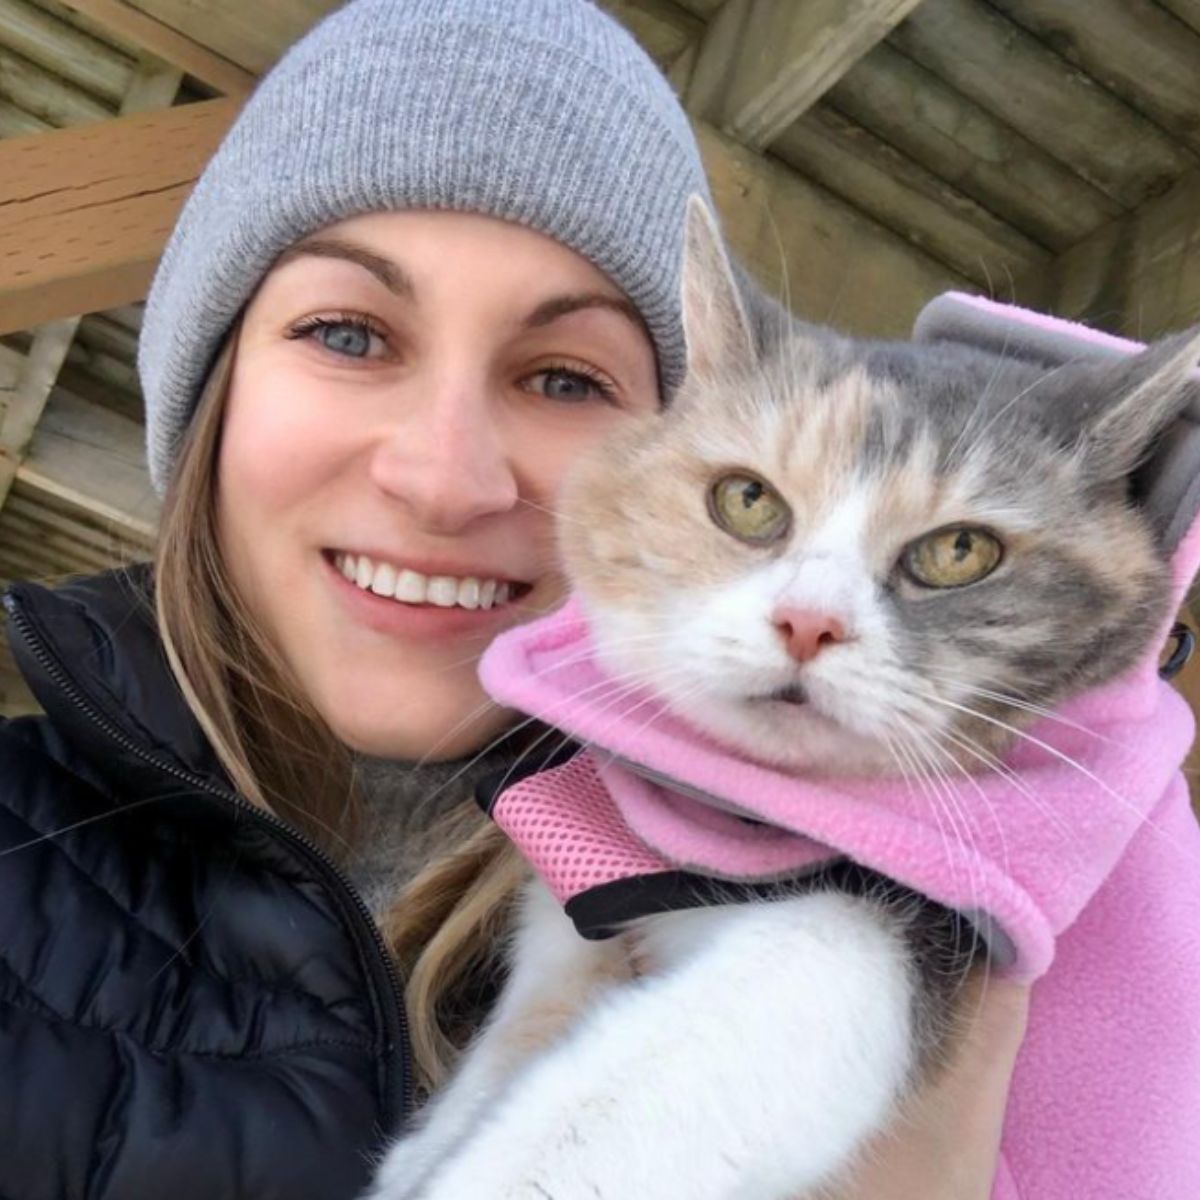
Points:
(792, 693)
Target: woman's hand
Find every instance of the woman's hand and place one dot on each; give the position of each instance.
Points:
(945, 1145)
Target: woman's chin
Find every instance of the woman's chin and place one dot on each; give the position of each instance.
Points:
(431, 726)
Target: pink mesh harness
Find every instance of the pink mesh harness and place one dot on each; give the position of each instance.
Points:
(1087, 880)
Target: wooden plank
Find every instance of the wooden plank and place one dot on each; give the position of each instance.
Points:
(922, 117)
(1187, 11)
(91, 459)
(899, 193)
(84, 213)
(46, 96)
(663, 29)
(1139, 275)
(16, 122)
(1011, 74)
(154, 84)
(765, 62)
(172, 44)
(50, 43)
(252, 36)
(24, 403)
(1136, 49)
(832, 263)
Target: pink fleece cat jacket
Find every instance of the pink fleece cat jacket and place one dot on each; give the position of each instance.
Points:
(1081, 866)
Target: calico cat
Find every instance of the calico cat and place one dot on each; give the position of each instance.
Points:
(836, 557)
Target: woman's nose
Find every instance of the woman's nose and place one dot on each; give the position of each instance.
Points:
(449, 463)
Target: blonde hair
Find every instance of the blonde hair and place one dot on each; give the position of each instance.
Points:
(446, 926)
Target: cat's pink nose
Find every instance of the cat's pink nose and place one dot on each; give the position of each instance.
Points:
(806, 632)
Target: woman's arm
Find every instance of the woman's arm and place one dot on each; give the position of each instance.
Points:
(946, 1145)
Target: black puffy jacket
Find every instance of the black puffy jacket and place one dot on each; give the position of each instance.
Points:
(193, 1002)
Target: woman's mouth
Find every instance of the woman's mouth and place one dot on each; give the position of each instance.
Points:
(407, 586)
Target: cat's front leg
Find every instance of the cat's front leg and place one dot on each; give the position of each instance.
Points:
(553, 974)
(776, 1039)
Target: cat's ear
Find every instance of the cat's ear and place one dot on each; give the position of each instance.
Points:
(1126, 406)
(715, 325)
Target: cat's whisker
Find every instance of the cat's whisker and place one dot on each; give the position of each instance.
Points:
(1016, 702)
(1066, 759)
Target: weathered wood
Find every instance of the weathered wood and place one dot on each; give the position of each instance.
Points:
(21, 531)
(62, 50)
(93, 460)
(1188, 11)
(252, 36)
(662, 28)
(100, 332)
(16, 122)
(1133, 47)
(830, 262)
(1011, 74)
(46, 96)
(23, 405)
(171, 43)
(70, 531)
(1139, 275)
(84, 213)
(902, 195)
(765, 62)
(922, 117)
(153, 84)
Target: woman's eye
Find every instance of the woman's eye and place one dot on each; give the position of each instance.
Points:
(348, 339)
(560, 383)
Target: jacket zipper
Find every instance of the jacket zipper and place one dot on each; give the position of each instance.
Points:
(395, 1018)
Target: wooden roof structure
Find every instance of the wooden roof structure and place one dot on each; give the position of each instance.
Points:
(865, 155)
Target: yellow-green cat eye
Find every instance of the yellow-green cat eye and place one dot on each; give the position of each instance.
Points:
(749, 508)
(954, 557)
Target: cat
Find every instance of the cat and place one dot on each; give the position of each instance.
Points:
(831, 556)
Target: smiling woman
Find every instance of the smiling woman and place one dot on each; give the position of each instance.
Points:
(394, 439)
(435, 261)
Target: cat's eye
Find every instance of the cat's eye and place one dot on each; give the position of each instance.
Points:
(749, 508)
(954, 557)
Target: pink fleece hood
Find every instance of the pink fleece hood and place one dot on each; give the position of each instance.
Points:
(1080, 865)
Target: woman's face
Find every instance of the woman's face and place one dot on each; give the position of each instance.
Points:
(408, 391)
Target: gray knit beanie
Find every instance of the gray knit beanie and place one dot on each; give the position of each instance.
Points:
(544, 112)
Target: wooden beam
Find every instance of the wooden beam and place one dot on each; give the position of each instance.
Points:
(162, 40)
(1133, 47)
(85, 213)
(45, 95)
(902, 195)
(1025, 84)
(86, 458)
(43, 39)
(251, 36)
(1139, 275)
(831, 263)
(765, 62)
(932, 123)
(23, 405)
(663, 29)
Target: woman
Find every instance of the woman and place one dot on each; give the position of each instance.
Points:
(434, 260)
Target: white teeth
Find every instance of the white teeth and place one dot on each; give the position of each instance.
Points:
(442, 590)
(468, 592)
(384, 581)
(411, 587)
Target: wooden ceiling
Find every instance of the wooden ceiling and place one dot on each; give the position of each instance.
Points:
(865, 154)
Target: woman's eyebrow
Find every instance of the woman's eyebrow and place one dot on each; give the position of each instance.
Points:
(561, 306)
(389, 273)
